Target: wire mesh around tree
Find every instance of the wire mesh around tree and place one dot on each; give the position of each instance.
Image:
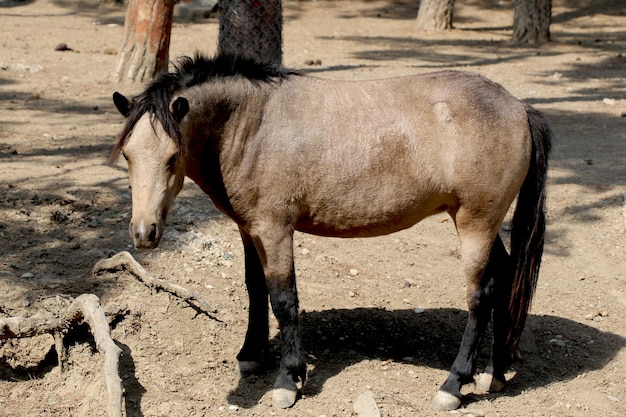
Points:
(252, 28)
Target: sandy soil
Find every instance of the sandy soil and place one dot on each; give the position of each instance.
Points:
(62, 208)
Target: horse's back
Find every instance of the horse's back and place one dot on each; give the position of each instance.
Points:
(438, 113)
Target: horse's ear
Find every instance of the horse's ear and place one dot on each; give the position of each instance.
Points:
(122, 104)
(179, 108)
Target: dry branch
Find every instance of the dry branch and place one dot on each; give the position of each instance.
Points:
(85, 307)
(89, 306)
(125, 261)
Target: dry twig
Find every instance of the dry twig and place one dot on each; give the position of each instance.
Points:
(124, 260)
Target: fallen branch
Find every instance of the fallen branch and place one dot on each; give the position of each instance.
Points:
(85, 307)
(125, 261)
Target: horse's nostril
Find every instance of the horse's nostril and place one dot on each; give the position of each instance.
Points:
(152, 235)
(134, 232)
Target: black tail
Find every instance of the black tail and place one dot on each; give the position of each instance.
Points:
(528, 228)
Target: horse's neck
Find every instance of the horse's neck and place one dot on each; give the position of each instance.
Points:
(237, 109)
(225, 117)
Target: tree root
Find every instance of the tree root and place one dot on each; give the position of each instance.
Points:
(125, 261)
(85, 307)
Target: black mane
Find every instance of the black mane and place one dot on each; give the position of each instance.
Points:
(189, 72)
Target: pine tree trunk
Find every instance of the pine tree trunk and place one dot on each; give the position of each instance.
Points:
(531, 22)
(145, 47)
(252, 28)
(435, 15)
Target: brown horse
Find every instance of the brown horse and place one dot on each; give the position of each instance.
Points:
(278, 151)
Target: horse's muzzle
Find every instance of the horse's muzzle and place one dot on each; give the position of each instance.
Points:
(145, 235)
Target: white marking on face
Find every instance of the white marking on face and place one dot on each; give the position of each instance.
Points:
(155, 179)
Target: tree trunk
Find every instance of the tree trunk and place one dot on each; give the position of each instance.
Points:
(531, 22)
(252, 28)
(145, 46)
(435, 15)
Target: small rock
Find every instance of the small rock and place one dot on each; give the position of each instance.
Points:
(305, 251)
(354, 272)
(95, 253)
(597, 315)
(62, 47)
(365, 405)
(612, 398)
(233, 407)
(558, 340)
(419, 310)
(609, 101)
(28, 275)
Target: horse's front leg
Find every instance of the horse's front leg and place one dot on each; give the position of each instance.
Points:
(275, 247)
(256, 345)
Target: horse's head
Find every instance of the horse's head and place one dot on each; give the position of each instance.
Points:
(156, 168)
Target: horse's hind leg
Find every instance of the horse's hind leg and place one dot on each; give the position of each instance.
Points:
(480, 268)
(492, 379)
(256, 345)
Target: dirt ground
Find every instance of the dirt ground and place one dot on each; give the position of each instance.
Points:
(384, 314)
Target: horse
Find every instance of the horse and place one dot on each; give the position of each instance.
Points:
(277, 151)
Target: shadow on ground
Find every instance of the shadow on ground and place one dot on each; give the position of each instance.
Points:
(338, 339)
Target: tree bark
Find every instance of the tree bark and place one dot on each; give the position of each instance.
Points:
(252, 28)
(145, 46)
(531, 21)
(435, 15)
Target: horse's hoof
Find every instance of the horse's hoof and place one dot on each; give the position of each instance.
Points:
(488, 383)
(446, 401)
(283, 398)
(247, 368)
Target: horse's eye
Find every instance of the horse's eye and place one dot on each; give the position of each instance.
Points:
(171, 163)
(124, 155)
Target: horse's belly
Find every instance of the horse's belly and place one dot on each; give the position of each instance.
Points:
(367, 222)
